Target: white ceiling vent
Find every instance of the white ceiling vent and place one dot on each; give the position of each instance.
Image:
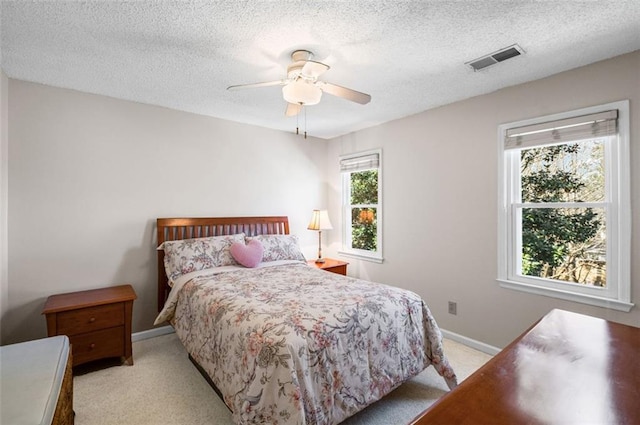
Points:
(495, 57)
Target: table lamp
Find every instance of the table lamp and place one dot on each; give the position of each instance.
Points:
(320, 221)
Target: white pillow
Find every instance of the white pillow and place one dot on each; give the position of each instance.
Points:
(279, 247)
(188, 255)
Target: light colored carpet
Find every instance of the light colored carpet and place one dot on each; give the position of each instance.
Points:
(164, 388)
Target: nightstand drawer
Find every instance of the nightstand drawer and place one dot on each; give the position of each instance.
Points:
(90, 319)
(97, 345)
(338, 269)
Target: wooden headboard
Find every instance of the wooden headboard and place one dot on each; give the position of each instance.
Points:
(173, 229)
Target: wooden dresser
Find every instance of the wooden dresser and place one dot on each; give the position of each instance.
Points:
(97, 322)
(566, 369)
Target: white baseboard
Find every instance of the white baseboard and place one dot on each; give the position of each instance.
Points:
(163, 330)
(480, 346)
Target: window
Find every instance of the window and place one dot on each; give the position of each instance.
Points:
(564, 212)
(361, 205)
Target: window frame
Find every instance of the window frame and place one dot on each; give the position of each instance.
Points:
(347, 250)
(617, 206)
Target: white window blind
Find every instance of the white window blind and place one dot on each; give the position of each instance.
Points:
(561, 131)
(360, 163)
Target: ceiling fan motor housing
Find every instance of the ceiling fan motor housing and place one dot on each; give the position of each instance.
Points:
(301, 89)
(295, 70)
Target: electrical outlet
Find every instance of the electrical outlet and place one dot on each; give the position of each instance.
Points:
(453, 308)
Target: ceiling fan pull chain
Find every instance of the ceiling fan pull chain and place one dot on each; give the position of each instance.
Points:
(297, 124)
(305, 122)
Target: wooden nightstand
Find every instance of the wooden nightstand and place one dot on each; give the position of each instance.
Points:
(330, 265)
(97, 322)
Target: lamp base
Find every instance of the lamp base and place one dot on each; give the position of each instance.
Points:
(320, 260)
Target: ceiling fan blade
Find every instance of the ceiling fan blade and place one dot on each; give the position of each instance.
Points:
(314, 69)
(293, 109)
(349, 94)
(255, 85)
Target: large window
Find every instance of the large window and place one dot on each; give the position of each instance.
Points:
(564, 216)
(361, 205)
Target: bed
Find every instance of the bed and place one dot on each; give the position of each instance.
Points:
(283, 342)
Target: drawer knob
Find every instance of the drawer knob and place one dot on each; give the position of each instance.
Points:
(92, 346)
(93, 319)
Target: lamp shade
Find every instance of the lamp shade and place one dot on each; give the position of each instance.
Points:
(320, 221)
(301, 93)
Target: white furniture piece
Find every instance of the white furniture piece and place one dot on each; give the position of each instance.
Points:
(36, 382)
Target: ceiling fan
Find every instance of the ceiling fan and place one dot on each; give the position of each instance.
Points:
(302, 87)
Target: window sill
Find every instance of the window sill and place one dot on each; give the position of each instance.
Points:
(569, 296)
(361, 257)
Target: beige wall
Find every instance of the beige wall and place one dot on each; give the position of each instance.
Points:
(440, 198)
(88, 176)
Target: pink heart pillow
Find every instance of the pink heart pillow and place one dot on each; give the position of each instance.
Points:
(248, 255)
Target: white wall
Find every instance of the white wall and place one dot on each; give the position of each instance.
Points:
(440, 199)
(4, 170)
(88, 176)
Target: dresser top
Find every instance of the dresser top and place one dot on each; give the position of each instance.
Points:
(567, 368)
(90, 298)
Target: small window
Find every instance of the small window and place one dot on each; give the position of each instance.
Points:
(564, 216)
(361, 205)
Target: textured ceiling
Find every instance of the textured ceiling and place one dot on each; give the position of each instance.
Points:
(408, 55)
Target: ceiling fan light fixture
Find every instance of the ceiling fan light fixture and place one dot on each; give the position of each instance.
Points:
(301, 93)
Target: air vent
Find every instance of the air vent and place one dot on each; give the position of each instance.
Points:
(495, 57)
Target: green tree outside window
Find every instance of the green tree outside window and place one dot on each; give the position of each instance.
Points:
(560, 243)
(364, 200)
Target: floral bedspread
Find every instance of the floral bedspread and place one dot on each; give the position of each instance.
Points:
(292, 344)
